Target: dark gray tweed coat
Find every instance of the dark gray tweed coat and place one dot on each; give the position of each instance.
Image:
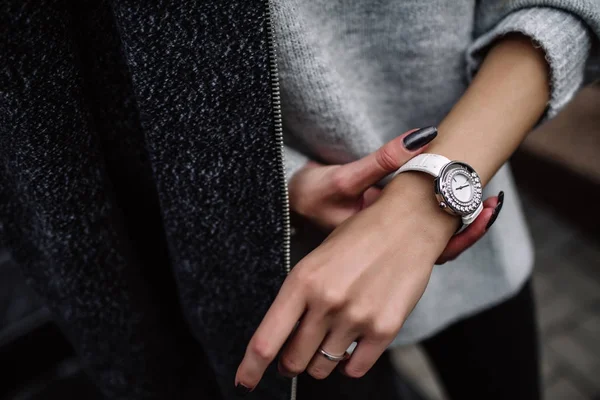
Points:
(140, 184)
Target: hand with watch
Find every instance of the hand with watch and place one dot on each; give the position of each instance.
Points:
(457, 186)
(362, 283)
(324, 196)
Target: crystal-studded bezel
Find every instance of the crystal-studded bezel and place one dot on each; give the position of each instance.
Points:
(444, 191)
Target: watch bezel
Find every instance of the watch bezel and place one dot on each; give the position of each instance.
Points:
(450, 203)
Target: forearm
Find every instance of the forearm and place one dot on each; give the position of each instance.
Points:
(502, 104)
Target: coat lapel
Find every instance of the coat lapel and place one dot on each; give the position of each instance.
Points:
(201, 82)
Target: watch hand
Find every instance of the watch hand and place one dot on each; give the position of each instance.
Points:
(461, 187)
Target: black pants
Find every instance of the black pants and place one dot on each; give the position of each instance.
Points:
(492, 355)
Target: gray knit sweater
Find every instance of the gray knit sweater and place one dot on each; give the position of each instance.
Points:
(355, 74)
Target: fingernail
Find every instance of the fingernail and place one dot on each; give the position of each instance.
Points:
(241, 390)
(497, 210)
(420, 138)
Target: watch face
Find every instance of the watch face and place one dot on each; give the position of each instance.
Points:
(460, 188)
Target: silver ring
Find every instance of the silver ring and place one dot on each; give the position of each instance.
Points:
(334, 358)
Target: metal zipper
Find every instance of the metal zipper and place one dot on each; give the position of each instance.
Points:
(277, 119)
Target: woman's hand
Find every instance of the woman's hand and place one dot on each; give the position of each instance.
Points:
(327, 195)
(359, 285)
(362, 282)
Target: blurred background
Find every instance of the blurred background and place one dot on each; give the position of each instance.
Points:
(39, 363)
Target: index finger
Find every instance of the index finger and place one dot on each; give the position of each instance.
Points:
(277, 325)
(378, 165)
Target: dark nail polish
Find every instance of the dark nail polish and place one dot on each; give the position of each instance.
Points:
(420, 138)
(241, 390)
(497, 210)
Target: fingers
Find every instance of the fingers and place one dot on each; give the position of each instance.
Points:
(467, 238)
(303, 344)
(491, 202)
(371, 344)
(474, 232)
(357, 176)
(365, 355)
(275, 328)
(497, 210)
(336, 344)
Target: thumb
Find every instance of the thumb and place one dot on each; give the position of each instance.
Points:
(355, 177)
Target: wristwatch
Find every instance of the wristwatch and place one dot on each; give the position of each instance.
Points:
(457, 186)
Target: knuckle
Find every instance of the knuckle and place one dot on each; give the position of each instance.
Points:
(305, 279)
(355, 371)
(292, 365)
(387, 158)
(383, 330)
(311, 284)
(263, 350)
(318, 372)
(340, 181)
(358, 316)
(332, 299)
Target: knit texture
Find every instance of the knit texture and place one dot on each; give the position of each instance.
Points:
(294, 160)
(355, 75)
(333, 88)
(566, 43)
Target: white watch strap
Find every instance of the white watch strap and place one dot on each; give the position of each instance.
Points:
(431, 164)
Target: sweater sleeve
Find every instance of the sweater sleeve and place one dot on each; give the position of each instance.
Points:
(565, 39)
(294, 160)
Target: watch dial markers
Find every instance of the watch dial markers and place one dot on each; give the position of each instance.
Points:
(460, 188)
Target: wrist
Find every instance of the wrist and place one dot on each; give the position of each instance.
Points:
(411, 195)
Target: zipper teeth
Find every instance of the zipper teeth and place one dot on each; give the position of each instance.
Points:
(278, 123)
(277, 119)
